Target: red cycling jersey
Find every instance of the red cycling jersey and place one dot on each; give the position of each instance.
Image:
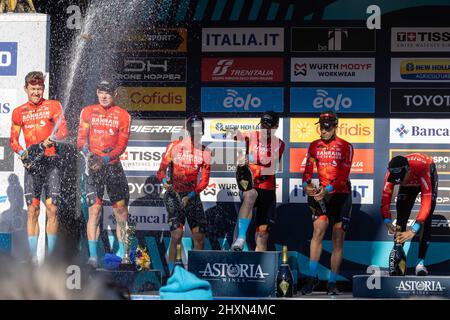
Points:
(38, 122)
(187, 162)
(264, 157)
(104, 130)
(420, 176)
(333, 159)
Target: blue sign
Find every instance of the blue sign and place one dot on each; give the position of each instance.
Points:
(239, 99)
(8, 58)
(342, 100)
(236, 274)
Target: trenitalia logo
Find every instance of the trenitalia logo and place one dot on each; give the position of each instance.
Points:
(353, 130)
(153, 98)
(417, 69)
(242, 69)
(419, 131)
(363, 160)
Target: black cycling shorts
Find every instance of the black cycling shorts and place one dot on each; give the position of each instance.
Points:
(338, 207)
(46, 178)
(193, 212)
(113, 178)
(265, 206)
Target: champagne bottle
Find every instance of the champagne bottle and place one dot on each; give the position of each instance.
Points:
(397, 258)
(321, 203)
(285, 281)
(178, 260)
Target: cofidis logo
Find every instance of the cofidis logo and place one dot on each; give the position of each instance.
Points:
(353, 130)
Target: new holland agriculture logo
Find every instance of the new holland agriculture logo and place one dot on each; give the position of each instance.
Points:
(427, 69)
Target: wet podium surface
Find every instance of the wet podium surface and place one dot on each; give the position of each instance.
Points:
(133, 281)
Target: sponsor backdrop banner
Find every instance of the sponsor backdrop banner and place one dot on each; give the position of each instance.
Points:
(21, 51)
(333, 69)
(242, 99)
(234, 64)
(420, 70)
(349, 100)
(242, 39)
(420, 39)
(423, 131)
(332, 39)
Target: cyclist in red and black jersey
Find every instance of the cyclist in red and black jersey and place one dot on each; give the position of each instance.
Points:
(41, 121)
(191, 165)
(333, 158)
(265, 151)
(415, 173)
(102, 137)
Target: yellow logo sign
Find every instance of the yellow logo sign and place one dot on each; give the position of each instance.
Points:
(425, 69)
(152, 99)
(352, 130)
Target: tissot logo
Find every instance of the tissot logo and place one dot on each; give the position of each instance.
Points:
(420, 39)
(423, 100)
(336, 39)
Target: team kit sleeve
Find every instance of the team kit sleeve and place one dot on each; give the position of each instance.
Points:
(16, 128)
(124, 133)
(425, 197)
(60, 121)
(166, 159)
(309, 166)
(83, 129)
(205, 171)
(344, 172)
(388, 189)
